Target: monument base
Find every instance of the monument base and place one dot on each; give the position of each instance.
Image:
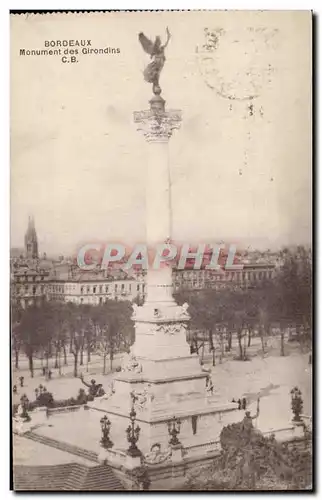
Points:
(160, 399)
(164, 381)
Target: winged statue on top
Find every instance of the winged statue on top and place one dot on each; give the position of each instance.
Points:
(156, 51)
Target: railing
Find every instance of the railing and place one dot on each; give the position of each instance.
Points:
(286, 433)
(64, 409)
(209, 447)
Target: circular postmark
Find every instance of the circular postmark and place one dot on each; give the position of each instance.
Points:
(236, 63)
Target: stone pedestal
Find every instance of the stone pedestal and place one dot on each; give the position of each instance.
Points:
(165, 379)
(177, 454)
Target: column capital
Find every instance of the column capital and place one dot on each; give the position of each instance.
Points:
(157, 125)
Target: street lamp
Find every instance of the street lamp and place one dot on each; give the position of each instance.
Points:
(106, 427)
(24, 403)
(174, 426)
(133, 434)
(297, 404)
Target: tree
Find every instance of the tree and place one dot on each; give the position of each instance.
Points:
(102, 334)
(75, 327)
(31, 333)
(16, 314)
(60, 327)
(114, 329)
(16, 345)
(90, 335)
(48, 330)
(291, 305)
(203, 318)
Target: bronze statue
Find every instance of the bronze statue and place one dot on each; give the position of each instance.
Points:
(95, 390)
(156, 51)
(247, 422)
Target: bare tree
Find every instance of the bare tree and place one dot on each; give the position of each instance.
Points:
(30, 331)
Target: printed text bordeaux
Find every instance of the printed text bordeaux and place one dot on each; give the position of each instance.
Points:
(70, 48)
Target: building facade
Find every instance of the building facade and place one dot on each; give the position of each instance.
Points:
(34, 280)
(95, 290)
(29, 286)
(246, 277)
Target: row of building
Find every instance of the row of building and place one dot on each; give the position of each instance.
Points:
(34, 280)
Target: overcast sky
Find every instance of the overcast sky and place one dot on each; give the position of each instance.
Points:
(78, 163)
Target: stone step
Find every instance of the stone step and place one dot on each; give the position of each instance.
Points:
(62, 446)
(71, 476)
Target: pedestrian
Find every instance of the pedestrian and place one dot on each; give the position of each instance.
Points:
(49, 374)
(21, 381)
(244, 404)
(14, 389)
(239, 404)
(43, 371)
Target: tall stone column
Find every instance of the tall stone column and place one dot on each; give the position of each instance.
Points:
(160, 323)
(157, 126)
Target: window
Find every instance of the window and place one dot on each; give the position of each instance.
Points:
(122, 286)
(34, 290)
(101, 289)
(94, 289)
(137, 288)
(82, 290)
(106, 289)
(88, 289)
(115, 286)
(101, 300)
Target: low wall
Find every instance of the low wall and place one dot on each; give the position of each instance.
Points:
(64, 409)
(285, 434)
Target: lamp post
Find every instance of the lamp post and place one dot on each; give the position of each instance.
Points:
(174, 426)
(106, 427)
(297, 404)
(24, 403)
(133, 433)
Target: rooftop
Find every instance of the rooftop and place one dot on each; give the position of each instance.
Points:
(44, 468)
(71, 476)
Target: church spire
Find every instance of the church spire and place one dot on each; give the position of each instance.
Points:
(31, 241)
